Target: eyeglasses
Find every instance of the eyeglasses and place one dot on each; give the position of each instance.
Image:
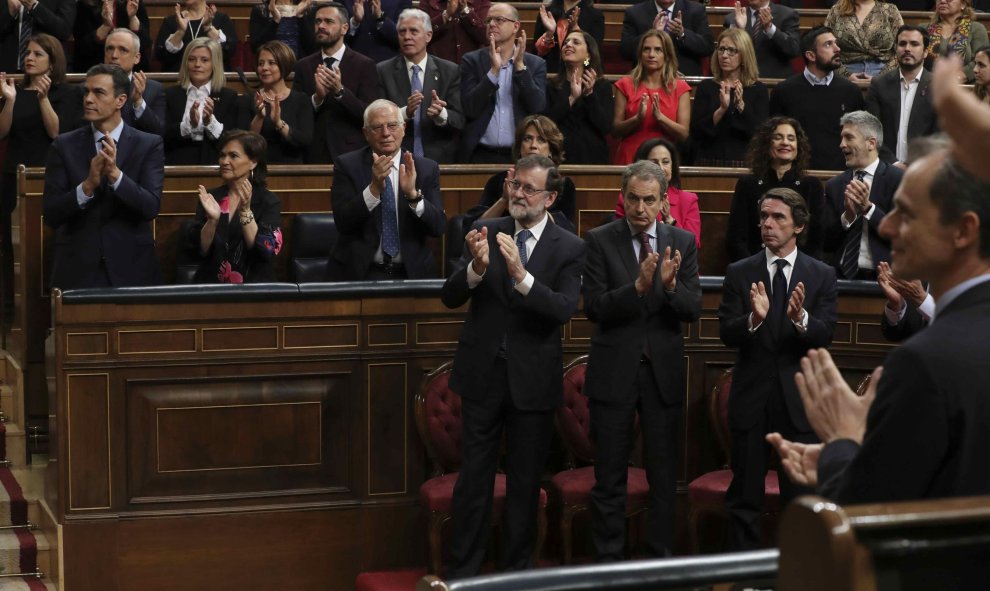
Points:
(380, 128)
(499, 20)
(526, 189)
(727, 50)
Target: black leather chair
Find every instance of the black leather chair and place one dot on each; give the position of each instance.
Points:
(313, 237)
(185, 265)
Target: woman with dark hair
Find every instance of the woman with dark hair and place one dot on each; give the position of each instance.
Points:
(284, 117)
(778, 157)
(680, 208)
(731, 105)
(237, 231)
(285, 21)
(651, 101)
(981, 74)
(535, 134)
(560, 18)
(580, 101)
(954, 29)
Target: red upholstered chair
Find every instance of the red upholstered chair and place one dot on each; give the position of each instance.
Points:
(438, 420)
(706, 493)
(572, 488)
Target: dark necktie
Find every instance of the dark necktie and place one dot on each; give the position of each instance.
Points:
(778, 303)
(521, 239)
(645, 249)
(27, 29)
(329, 62)
(849, 263)
(417, 85)
(390, 228)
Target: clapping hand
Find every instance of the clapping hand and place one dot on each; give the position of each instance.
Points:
(766, 17)
(210, 205)
(139, 81)
(43, 85)
(800, 460)
(588, 81)
(647, 270)
(181, 18)
(759, 302)
(669, 267)
(477, 244)
(795, 304)
(740, 15)
(407, 175)
(211, 11)
(437, 105)
(413, 102)
(547, 19)
(208, 111)
(7, 88)
(132, 8)
(676, 26)
(519, 51)
(106, 13)
(833, 409)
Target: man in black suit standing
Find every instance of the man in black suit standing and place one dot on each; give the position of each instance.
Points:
(429, 89)
(386, 203)
(501, 84)
(341, 83)
(522, 276)
(145, 107)
(775, 34)
(908, 86)
(20, 19)
(776, 305)
(684, 20)
(640, 286)
(373, 27)
(103, 186)
(857, 200)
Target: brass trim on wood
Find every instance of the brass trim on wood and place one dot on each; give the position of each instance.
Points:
(852, 333)
(860, 341)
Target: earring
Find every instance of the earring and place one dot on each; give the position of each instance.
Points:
(587, 62)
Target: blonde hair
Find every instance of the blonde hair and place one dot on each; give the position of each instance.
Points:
(668, 73)
(216, 59)
(749, 71)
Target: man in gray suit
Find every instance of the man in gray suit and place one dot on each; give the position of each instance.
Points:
(775, 34)
(908, 85)
(429, 89)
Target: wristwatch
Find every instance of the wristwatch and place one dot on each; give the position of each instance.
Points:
(417, 198)
(339, 94)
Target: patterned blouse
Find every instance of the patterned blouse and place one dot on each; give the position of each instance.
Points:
(968, 37)
(873, 41)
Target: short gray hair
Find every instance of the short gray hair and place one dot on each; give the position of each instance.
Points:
(922, 146)
(379, 105)
(418, 15)
(125, 31)
(644, 170)
(866, 123)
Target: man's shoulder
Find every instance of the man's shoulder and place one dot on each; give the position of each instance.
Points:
(424, 163)
(151, 85)
(442, 64)
(816, 266)
(567, 240)
(310, 61)
(356, 60)
(677, 234)
(76, 135)
(353, 159)
(606, 229)
(640, 9)
(391, 63)
(886, 80)
(474, 56)
(532, 60)
(792, 83)
(136, 135)
(781, 10)
(747, 264)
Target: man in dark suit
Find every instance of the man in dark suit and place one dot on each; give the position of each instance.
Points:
(909, 85)
(103, 185)
(373, 26)
(20, 19)
(776, 305)
(522, 276)
(386, 203)
(500, 85)
(428, 87)
(145, 108)
(684, 20)
(640, 286)
(857, 200)
(341, 83)
(775, 34)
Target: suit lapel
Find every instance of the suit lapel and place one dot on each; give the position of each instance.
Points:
(919, 100)
(537, 258)
(876, 189)
(402, 77)
(430, 79)
(622, 243)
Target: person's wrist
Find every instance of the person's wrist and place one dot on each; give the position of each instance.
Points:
(416, 198)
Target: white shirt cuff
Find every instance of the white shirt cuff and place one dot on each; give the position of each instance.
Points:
(927, 308)
(173, 48)
(215, 128)
(139, 110)
(370, 200)
(441, 118)
(802, 326)
(473, 279)
(81, 198)
(526, 284)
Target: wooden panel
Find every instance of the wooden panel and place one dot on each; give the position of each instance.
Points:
(388, 396)
(438, 333)
(87, 399)
(319, 336)
(87, 343)
(381, 335)
(133, 342)
(240, 339)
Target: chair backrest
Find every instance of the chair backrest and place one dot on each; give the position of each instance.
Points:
(573, 415)
(719, 410)
(453, 243)
(438, 419)
(313, 237)
(185, 266)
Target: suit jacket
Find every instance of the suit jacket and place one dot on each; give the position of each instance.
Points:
(358, 228)
(883, 99)
(439, 142)
(528, 327)
(766, 363)
(926, 434)
(113, 229)
(54, 17)
(911, 323)
(626, 324)
(478, 94)
(181, 150)
(697, 42)
(774, 54)
(376, 39)
(172, 61)
(152, 120)
(338, 122)
(885, 183)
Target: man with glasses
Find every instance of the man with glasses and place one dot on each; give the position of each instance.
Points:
(640, 287)
(500, 85)
(522, 277)
(775, 34)
(386, 203)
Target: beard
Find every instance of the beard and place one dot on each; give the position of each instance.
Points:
(828, 66)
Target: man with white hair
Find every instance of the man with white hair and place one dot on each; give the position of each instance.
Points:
(145, 107)
(386, 203)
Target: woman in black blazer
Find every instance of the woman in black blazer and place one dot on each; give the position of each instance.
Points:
(194, 19)
(558, 19)
(199, 109)
(580, 101)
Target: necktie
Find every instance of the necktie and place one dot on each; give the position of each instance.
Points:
(755, 27)
(521, 239)
(417, 85)
(778, 303)
(329, 62)
(645, 249)
(27, 29)
(390, 229)
(849, 263)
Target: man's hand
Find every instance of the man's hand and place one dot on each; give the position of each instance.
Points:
(766, 17)
(139, 81)
(885, 280)
(669, 268)
(759, 302)
(323, 82)
(381, 167)
(795, 304)
(660, 22)
(477, 244)
(357, 12)
(647, 270)
(452, 7)
(834, 411)
(132, 9)
(675, 27)
(494, 55)
(333, 77)
(519, 51)
(376, 9)
(740, 15)
(857, 197)
(912, 291)
(413, 103)
(962, 116)
(800, 460)
(510, 252)
(109, 153)
(13, 7)
(407, 175)
(437, 105)
(106, 13)
(95, 174)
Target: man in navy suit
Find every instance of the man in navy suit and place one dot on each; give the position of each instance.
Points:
(500, 85)
(145, 107)
(776, 305)
(522, 276)
(774, 29)
(640, 286)
(857, 200)
(386, 203)
(103, 185)
(684, 20)
(340, 81)
(372, 30)
(433, 108)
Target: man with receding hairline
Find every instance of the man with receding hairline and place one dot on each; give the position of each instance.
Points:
(145, 107)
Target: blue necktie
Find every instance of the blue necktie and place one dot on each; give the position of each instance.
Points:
(521, 239)
(417, 85)
(390, 228)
